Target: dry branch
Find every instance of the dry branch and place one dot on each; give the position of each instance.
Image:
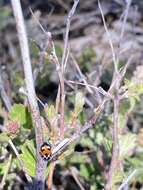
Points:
(63, 65)
(41, 165)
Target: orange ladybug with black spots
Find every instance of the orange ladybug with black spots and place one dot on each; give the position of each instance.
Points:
(46, 151)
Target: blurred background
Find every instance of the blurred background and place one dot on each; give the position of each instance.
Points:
(87, 166)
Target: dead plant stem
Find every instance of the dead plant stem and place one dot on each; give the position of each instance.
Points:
(63, 65)
(40, 166)
(115, 148)
(109, 38)
(50, 177)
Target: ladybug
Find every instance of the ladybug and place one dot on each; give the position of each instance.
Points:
(46, 151)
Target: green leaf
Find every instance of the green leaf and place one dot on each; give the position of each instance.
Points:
(135, 162)
(58, 50)
(34, 49)
(31, 147)
(107, 144)
(79, 103)
(99, 138)
(84, 171)
(4, 167)
(4, 137)
(18, 113)
(78, 158)
(132, 101)
(29, 157)
(134, 89)
(51, 112)
(21, 114)
(87, 170)
(126, 144)
(122, 121)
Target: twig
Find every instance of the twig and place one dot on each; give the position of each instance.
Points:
(50, 177)
(127, 180)
(115, 85)
(91, 122)
(77, 135)
(63, 64)
(57, 101)
(98, 89)
(40, 167)
(55, 60)
(87, 101)
(125, 19)
(70, 15)
(73, 172)
(115, 151)
(23, 92)
(53, 164)
(61, 68)
(42, 28)
(81, 75)
(116, 82)
(109, 38)
(124, 69)
(116, 100)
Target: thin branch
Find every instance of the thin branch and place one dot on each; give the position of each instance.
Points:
(36, 19)
(57, 101)
(61, 68)
(55, 60)
(128, 180)
(23, 92)
(91, 122)
(78, 134)
(40, 167)
(50, 177)
(98, 89)
(115, 85)
(125, 19)
(74, 174)
(124, 69)
(81, 75)
(115, 149)
(63, 64)
(109, 38)
(70, 15)
(116, 81)
(87, 101)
